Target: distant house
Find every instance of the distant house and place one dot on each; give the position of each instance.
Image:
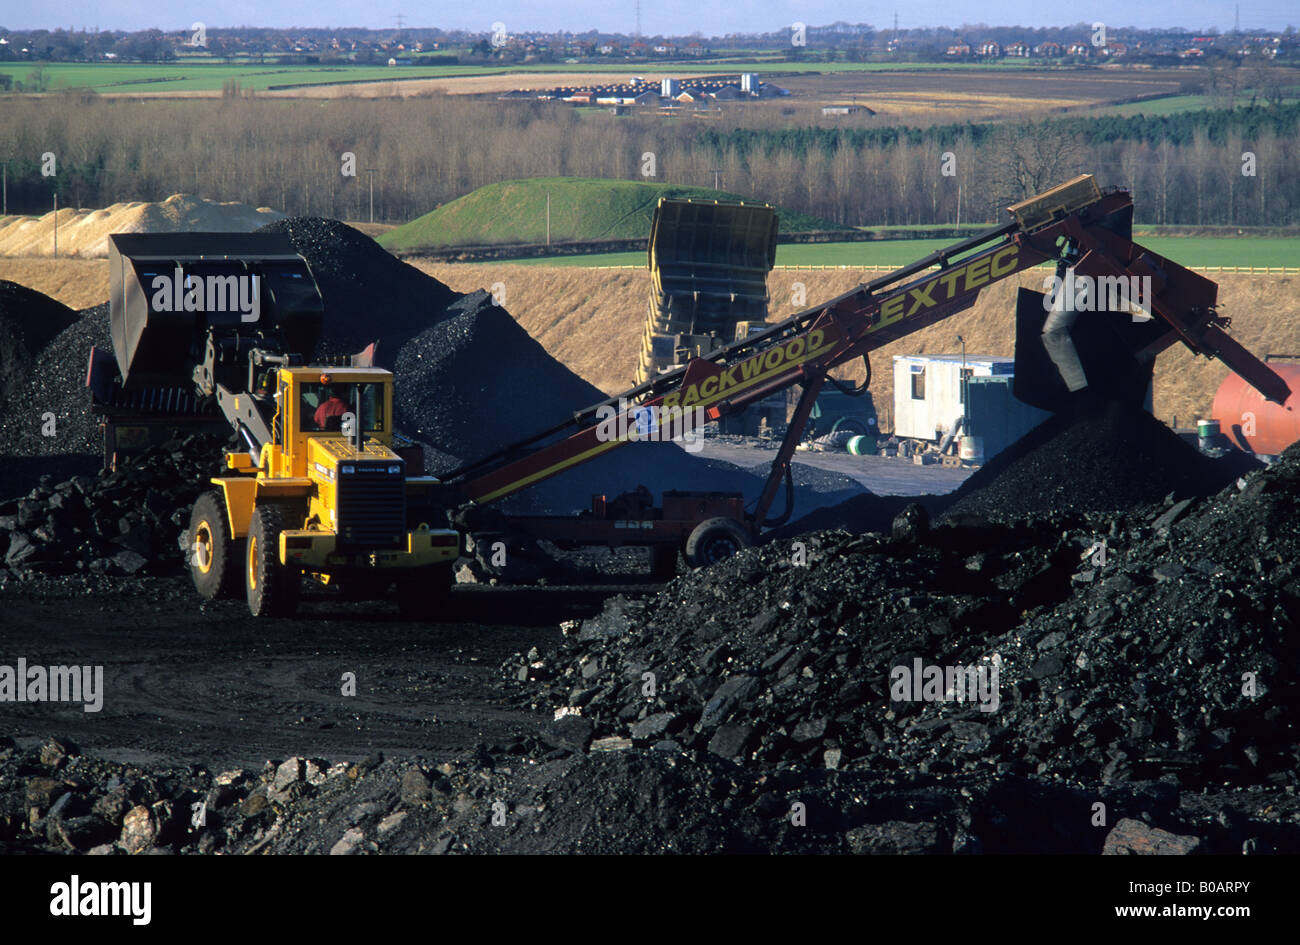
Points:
(1081, 50)
(1048, 50)
(1113, 50)
(647, 97)
(990, 50)
(1192, 53)
(959, 50)
(729, 93)
(768, 90)
(1018, 50)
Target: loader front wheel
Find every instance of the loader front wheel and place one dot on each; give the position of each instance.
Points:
(213, 555)
(272, 588)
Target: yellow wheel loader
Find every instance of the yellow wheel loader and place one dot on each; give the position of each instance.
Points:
(318, 483)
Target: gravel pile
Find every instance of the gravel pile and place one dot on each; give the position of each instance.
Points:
(130, 521)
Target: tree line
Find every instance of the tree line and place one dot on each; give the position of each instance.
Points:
(1210, 167)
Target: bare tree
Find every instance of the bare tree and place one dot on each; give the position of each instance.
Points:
(1023, 160)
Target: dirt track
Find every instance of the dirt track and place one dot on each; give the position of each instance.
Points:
(190, 682)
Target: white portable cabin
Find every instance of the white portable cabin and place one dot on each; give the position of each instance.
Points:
(928, 392)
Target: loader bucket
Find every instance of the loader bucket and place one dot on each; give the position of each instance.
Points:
(168, 289)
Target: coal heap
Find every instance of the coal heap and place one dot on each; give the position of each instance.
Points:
(1122, 642)
(1107, 459)
(475, 380)
(130, 521)
(56, 383)
(28, 322)
(369, 294)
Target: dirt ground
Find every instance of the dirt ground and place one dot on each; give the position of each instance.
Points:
(181, 674)
(592, 319)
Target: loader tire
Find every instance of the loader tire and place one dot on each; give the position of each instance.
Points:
(272, 588)
(214, 557)
(714, 540)
(424, 594)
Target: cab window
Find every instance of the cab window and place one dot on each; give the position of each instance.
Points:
(323, 406)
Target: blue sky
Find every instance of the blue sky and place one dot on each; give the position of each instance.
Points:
(678, 17)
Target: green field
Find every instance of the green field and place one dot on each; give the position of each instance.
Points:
(1195, 252)
(186, 76)
(581, 209)
(189, 75)
(1170, 105)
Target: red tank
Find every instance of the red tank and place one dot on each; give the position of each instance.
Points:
(1253, 423)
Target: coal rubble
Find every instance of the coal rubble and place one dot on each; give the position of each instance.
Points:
(1143, 659)
(126, 522)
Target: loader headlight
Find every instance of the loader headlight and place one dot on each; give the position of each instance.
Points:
(395, 469)
(347, 469)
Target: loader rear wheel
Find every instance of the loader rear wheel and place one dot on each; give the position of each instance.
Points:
(423, 595)
(715, 539)
(272, 588)
(213, 555)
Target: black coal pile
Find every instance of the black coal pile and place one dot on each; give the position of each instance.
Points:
(1152, 648)
(475, 380)
(368, 293)
(28, 322)
(126, 522)
(1106, 460)
(49, 413)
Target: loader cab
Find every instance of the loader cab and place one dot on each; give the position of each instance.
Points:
(312, 402)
